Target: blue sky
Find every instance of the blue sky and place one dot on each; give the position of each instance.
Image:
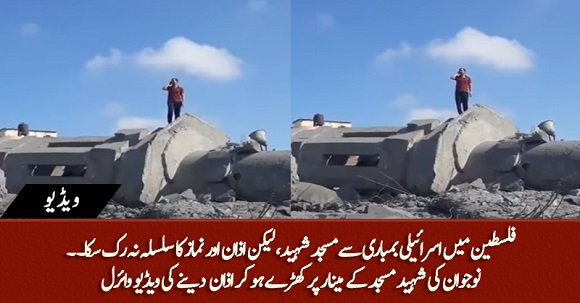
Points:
(377, 62)
(89, 67)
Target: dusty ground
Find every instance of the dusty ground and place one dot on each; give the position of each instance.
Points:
(467, 204)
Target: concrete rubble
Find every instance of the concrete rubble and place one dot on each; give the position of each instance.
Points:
(188, 169)
(476, 165)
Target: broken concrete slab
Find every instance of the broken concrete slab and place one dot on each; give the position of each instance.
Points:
(102, 164)
(477, 184)
(394, 154)
(20, 165)
(325, 161)
(132, 135)
(146, 168)
(437, 159)
(189, 195)
(510, 182)
(77, 142)
(316, 194)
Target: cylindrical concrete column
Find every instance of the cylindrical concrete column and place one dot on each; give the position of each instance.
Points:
(263, 176)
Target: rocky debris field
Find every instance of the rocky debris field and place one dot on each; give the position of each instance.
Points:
(182, 206)
(187, 205)
(462, 202)
(466, 202)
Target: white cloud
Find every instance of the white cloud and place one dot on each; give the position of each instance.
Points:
(429, 113)
(113, 109)
(257, 5)
(411, 105)
(99, 61)
(390, 54)
(471, 46)
(406, 101)
(183, 55)
(325, 20)
(29, 29)
(138, 122)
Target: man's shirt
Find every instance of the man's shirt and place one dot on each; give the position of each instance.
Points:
(462, 84)
(175, 94)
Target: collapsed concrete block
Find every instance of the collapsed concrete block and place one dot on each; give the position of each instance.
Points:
(102, 165)
(490, 159)
(35, 166)
(253, 176)
(436, 160)
(196, 171)
(263, 176)
(187, 156)
(477, 184)
(332, 162)
(218, 165)
(147, 167)
(554, 165)
(11, 144)
(394, 154)
(300, 136)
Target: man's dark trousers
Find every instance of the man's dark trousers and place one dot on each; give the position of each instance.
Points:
(461, 101)
(173, 110)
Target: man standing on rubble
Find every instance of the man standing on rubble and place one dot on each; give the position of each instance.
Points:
(174, 99)
(462, 90)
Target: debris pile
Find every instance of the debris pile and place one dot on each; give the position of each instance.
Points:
(462, 202)
(188, 169)
(477, 165)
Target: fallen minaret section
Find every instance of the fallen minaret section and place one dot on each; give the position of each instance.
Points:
(187, 155)
(428, 157)
(476, 165)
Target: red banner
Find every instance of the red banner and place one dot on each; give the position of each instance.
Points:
(289, 261)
